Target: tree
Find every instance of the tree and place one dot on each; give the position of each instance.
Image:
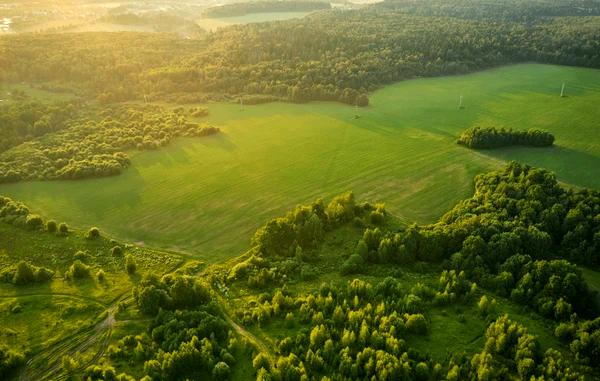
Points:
(24, 273)
(63, 228)
(221, 371)
(93, 233)
(51, 226)
(130, 264)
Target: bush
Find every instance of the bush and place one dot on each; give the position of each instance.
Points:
(24, 273)
(416, 324)
(51, 226)
(130, 264)
(116, 251)
(221, 371)
(261, 361)
(93, 233)
(78, 270)
(42, 274)
(34, 222)
(352, 265)
(63, 228)
(81, 256)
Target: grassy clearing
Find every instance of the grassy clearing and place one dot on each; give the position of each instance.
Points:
(211, 24)
(208, 196)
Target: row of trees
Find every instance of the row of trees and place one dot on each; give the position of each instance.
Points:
(86, 147)
(334, 55)
(25, 273)
(490, 137)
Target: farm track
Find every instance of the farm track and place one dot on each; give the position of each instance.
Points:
(47, 364)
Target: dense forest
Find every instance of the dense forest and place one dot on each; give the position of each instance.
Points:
(240, 9)
(335, 55)
(490, 137)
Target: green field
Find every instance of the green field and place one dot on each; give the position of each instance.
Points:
(207, 196)
(212, 24)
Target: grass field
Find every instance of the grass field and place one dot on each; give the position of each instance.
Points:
(211, 24)
(207, 196)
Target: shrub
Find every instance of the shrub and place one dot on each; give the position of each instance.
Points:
(261, 361)
(130, 264)
(416, 324)
(93, 233)
(51, 226)
(221, 371)
(34, 222)
(81, 256)
(78, 270)
(24, 273)
(63, 228)
(116, 251)
(42, 274)
(352, 265)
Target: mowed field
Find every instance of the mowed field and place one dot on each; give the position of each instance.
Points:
(207, 196)
(215, 23)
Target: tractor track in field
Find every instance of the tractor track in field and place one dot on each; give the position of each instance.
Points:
(47, 363)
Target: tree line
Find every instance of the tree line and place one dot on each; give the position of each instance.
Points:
(333, 55)
(490, 137)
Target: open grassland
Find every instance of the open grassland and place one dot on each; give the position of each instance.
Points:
(211, 24)
(208, 196)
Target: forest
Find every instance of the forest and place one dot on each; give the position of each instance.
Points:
(334, 56)
(174, 211)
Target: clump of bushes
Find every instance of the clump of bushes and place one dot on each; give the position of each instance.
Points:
(78, 270)
(25, 273)
(130, 264)
(116, 251)
(93, 233)
(490, 137)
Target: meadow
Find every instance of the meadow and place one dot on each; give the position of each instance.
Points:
(206, 197)
(213, 23)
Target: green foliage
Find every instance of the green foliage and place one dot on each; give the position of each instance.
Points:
(304, 226)
(116, 251)
(63, 228)
(78, 270)
(51, 226)
(170, 292)
(25, 273)
(130, 264)
(89, 147)
(34, 222)
(491, 137)
(364, 49)
(93, 233)
(10, 360)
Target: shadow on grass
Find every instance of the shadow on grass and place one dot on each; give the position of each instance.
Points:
(571, 166)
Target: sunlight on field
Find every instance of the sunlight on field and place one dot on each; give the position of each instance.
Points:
(208, 196)
(212, 24)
